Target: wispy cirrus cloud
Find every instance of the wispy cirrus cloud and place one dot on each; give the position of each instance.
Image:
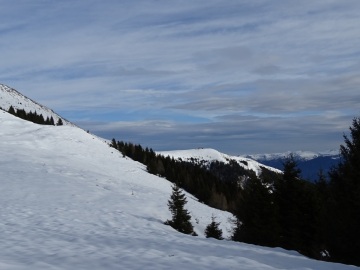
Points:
(217, 73)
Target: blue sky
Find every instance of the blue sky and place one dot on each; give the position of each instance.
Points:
(238, 76)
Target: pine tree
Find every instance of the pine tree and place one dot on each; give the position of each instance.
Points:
(288, 199)
(180, 216)
(291, 171)
(344, 217)
(59, 122)
(256, 215)
(12, 110)
(212, 230)
(114, 144)
(301, 210)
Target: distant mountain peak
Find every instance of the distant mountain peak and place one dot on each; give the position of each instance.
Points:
(310, 163)
(209, 155)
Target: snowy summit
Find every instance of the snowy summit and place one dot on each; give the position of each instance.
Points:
(209, 155)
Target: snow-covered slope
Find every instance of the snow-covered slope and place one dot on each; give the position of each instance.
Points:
(11, 97)
(69, 201)
(208, 155)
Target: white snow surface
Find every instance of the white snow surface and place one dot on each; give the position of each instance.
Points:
(11, 97)
(209, 155)
(69, 201)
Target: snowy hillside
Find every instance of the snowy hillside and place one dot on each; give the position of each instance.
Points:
(209, 155)
(69, 201)
(11, 97)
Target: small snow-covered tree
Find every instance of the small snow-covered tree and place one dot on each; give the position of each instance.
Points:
(212, 230)
(180, 216)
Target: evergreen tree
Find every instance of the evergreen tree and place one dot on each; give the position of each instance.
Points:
(291, 171)
(40, 119)
(114, 144)
(59, 122)
(300, 208)
(321, 182)
(12, 110)
(21, 113)
(287, 194)
(257, 215)
(180, 216)
(212, 230)
(344, 217)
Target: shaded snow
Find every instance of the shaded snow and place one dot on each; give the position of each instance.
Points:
(69, 201)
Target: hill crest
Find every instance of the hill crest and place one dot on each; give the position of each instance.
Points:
(11, 97)
(208, 155)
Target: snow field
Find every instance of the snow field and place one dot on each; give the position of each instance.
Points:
(69, 201)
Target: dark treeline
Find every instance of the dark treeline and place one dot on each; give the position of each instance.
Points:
(286, 212)
(320, 220)
(193, 178)
(34, 117)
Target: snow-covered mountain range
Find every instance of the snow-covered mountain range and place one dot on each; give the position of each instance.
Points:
(300, 155)
(69, 201)
(11, 97)
(209, 155)
(310, 163)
